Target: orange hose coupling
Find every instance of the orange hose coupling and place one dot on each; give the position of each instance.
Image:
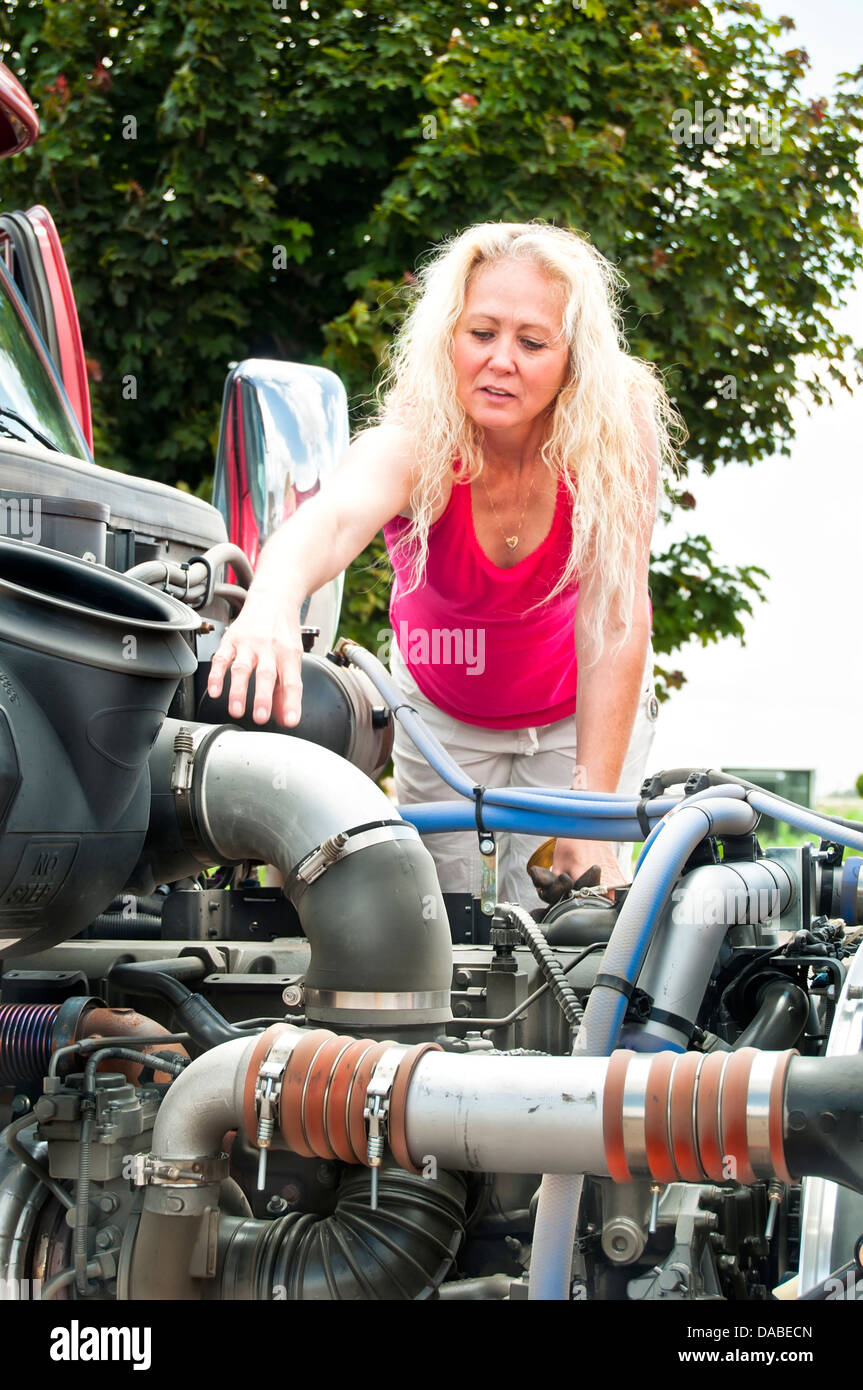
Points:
(695, 1117)
(314, 1087)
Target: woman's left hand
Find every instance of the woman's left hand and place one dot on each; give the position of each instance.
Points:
(575, 857)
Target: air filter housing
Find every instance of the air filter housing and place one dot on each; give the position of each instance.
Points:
(89, 663)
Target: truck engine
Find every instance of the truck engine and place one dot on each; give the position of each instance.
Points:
(326, 1079)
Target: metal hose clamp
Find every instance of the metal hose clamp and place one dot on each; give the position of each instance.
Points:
(268, 1094)
(377, 1109)
(151, 1170)
(339, 846)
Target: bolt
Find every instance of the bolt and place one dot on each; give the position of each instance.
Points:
(276, 1205)
(292, 995)
(462, 979)
(108, 1202)
(461, 1009)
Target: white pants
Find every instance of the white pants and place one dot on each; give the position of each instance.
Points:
(533, 757)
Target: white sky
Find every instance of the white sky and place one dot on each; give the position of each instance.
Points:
(793, 696)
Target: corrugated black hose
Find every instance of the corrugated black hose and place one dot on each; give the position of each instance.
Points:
(402, 1250)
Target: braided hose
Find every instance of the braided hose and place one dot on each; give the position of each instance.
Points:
(546, 960)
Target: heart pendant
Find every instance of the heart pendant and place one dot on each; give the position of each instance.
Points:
(512, 541)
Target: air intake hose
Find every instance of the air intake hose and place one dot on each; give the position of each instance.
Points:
(403, 1250)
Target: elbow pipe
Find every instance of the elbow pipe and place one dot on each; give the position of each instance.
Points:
(648, 898)
(204, 1102)
(707, 903)
(403, 1250)
(363, 885)
(783, 1009)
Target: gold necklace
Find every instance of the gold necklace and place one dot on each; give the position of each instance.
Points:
(511, 541)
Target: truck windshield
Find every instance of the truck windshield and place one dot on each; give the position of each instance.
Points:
(33, 404)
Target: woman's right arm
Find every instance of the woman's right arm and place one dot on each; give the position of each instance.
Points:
(371, 485)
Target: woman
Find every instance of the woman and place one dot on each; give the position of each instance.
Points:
(514, 466)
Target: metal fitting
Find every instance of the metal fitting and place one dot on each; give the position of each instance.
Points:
(149, 1170)
(268, 1091)
(377, 1108)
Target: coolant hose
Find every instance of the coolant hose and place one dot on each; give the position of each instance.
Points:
(560, 1196)
(810, 822)
(438, 817)
(527, 799)
(196, 1015)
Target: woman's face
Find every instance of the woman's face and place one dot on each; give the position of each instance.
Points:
(509, 355)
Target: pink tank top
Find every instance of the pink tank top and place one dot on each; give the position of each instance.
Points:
(467, 635)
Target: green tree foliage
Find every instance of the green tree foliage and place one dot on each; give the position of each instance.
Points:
(290, 165)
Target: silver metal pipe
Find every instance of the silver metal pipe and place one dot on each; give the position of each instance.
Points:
(204, 1102)
(22, 1197)
(508, 1114)
(703, 907)
(271, 798)
(354, 870)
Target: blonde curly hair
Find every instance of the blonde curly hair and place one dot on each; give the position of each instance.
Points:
(596, 428)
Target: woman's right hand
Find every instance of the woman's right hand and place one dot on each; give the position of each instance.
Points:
(264, 638)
